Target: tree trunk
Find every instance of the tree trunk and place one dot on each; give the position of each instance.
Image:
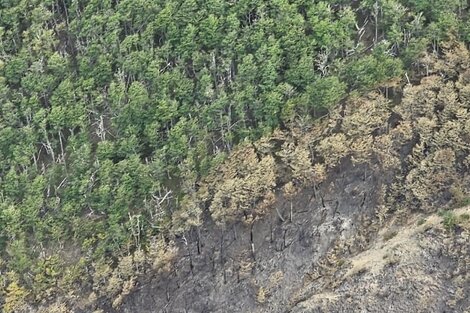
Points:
(291, 213)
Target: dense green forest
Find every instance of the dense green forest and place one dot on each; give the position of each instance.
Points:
(112, 112)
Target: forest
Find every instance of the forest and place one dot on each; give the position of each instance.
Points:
(123, 121)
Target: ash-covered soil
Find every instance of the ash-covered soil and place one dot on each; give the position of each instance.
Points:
(332, 258)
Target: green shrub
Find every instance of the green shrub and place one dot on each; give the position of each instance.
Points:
(449, 220)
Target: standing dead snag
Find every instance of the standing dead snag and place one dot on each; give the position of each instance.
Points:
(289, 192)
(252, 242)
(298, 162)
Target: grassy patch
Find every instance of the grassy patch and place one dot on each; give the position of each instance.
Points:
(421, 221)
(464, 217)
(389, 235)
(463, 202)
(449, 220)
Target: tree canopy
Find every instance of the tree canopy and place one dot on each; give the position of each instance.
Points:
(112, 112)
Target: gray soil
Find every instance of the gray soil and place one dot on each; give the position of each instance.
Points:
(335, 255)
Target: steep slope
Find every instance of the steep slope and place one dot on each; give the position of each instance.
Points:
(337, 258)
(422, 268)
(260, 266)
(131, 143)
(362, 234)
(336, 217)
